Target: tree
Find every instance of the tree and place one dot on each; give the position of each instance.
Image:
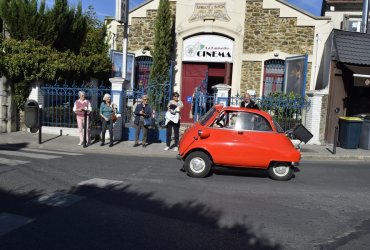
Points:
(161, 53)
(162, 43)
(62, 27)
(75, 53)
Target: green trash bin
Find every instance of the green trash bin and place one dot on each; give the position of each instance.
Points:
(349, 132)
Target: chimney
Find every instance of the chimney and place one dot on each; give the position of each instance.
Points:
(365, 16)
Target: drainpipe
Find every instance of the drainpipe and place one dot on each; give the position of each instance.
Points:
(365, 16)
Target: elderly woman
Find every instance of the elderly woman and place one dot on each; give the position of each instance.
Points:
(80, 106)
(107, 108)
(142, 111)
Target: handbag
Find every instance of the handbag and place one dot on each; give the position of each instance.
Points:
(148, 122)
(113, 117)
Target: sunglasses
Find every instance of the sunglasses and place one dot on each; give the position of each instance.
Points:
(145, 99)
(175, 96)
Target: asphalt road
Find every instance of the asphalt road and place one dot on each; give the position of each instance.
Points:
(91, 201)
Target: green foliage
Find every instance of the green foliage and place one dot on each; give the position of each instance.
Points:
(61, 43)
(162, 43)
(62, 27)
(22, 91)
(161, 53)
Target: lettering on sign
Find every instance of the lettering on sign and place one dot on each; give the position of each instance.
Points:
(210, 48)
(210, 11)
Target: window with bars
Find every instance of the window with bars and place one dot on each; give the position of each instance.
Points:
(273, 76)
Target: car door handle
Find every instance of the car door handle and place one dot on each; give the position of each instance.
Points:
(240, 132)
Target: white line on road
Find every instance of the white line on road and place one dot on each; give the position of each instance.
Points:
(28, 155)
(59, 199)
(49, 151)
(10, 222)
(11, 162)
(100, 183)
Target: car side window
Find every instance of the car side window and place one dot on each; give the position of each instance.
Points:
(251, 121)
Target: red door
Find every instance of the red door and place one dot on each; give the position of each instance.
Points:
(192, 76)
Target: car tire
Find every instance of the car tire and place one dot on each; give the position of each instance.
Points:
(281, 171)
(198, 164)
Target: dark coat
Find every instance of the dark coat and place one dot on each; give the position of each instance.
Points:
(251, 105)
(147, 112)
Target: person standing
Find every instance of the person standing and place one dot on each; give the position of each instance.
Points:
(107, 109)
(173, 120)
(142, 111)
(80, 106)
(248, 103)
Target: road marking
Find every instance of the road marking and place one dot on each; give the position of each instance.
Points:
(10, 222)
(59, 199)
(28, 155)
(11, 162)
(13, 148)
(100, 183)
(50, 151)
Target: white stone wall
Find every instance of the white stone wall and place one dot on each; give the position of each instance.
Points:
(313, 115)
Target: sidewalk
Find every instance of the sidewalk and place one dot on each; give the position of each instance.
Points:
(69, 143)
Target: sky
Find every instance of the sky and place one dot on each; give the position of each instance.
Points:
(107, 7)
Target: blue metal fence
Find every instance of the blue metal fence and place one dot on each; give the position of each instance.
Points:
(58, 101)
(286, 110)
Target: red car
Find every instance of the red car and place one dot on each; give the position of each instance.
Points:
(237, 137)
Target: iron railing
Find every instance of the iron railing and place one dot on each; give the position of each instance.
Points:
(58, 101)
(286, 110)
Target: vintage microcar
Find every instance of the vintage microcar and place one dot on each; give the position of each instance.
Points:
(237, 137)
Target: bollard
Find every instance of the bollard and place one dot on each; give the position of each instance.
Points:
(335, 140)
(40, 125)
(85, 127)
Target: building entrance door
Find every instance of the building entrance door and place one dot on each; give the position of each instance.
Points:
(192, 76)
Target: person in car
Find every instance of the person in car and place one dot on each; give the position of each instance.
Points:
(248, 102)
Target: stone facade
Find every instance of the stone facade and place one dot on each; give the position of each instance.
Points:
(251, 76)
(266, 31)
(141, 32)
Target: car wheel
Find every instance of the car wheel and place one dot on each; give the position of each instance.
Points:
(281, 171)
(198, 164)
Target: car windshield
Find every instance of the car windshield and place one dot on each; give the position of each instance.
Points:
(204, 119)
(278, 127)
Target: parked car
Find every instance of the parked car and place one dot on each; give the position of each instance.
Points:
(237, 137)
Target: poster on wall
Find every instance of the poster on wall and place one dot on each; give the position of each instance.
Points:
(117, 57)
(295, 75)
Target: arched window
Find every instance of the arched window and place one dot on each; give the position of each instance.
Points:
(273, 76)
(143, 65)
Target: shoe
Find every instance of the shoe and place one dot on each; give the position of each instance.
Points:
(135, 145)
(102, 144)
(175, 149)
(111, 145)
(79, 144)
(144, 145)
(166, 148)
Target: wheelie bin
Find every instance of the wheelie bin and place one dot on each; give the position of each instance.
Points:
(349, 132)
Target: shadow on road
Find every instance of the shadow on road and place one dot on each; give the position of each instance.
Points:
(118, 217)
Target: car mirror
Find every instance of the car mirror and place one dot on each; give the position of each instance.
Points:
(203, 134)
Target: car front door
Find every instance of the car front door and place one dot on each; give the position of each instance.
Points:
(251, 137)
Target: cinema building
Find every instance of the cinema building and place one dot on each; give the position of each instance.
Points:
(242, 43)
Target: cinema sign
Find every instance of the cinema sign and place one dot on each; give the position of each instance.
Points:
(208, 48)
